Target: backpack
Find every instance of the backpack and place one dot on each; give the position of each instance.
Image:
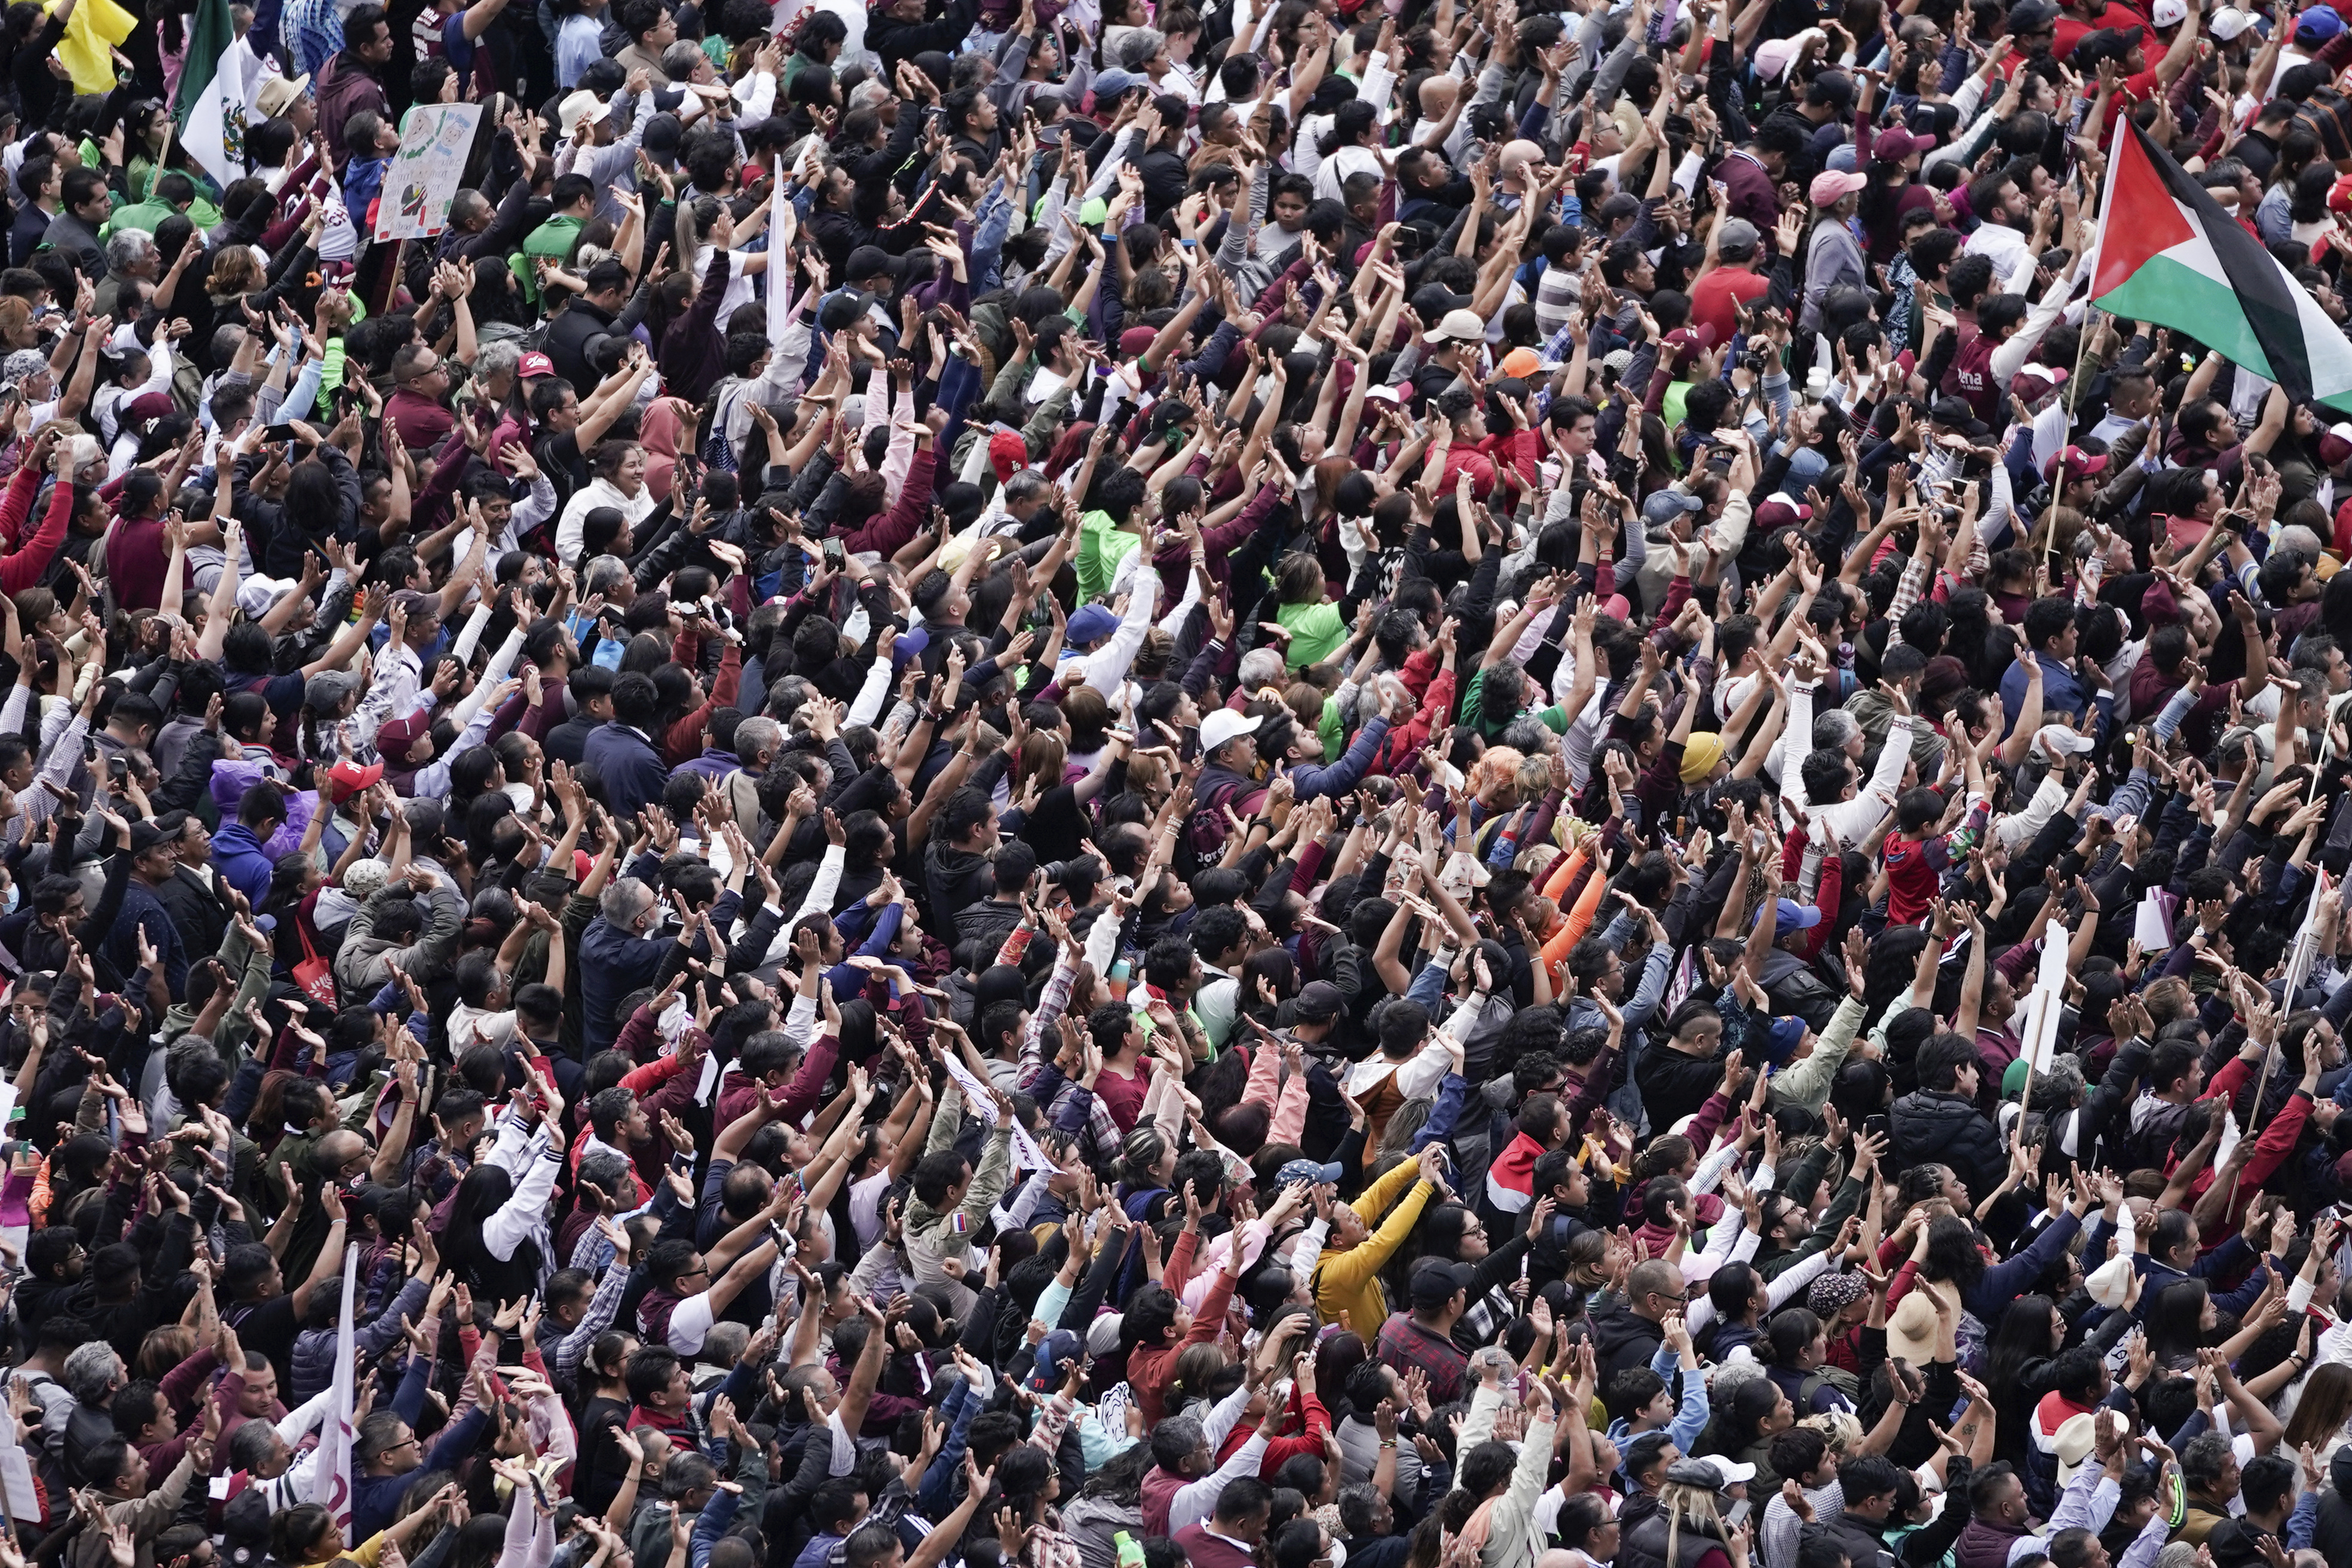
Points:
(1837, 1377)
(1207, 827)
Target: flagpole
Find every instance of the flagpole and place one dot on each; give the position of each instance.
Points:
(2088, 270)
(2299, 959)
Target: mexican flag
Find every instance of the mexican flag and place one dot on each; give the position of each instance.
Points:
(217, 90)
(2169, 254)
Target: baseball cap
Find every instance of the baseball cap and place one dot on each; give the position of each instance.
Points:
(2035, 380)
(146, 836)
(21, 367)
(1661, 509)
(1727, 1472)
(1830, 187)
(1954, 413)
(2167, 13)
(1894, 146)
(871, 261)
(347, 779)
(2317, 26)
(2032, 16)
(843, 309)
(1685, 344)
(2073, 463)
(1780, 510)
(1008, 453)
(534, 362)
(1223, 725)
(665, 134)
(1432, 300)
(2335, 444)
(280, 93)
(2059, 741)
(1521, 363)
(1790, 916)
(1457, 327)
(1322, 1176)
(1319, 999)
(1090, 624)
(1056, 1352)
(2227, 23)
(1435, 1284)
(1110, 84)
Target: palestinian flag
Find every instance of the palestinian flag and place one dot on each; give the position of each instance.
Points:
(2169, 255)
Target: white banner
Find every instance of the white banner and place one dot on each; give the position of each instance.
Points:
(1026, 1154)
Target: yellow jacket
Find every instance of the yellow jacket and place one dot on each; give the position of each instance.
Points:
(1349, 1281)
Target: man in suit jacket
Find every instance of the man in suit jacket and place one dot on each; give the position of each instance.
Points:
(623, 752)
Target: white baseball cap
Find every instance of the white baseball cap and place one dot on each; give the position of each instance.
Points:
(1459, 327)
(2225, 24)
(1223, 725)
(2168, 13)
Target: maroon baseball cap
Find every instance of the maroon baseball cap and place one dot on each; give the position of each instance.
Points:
(2073, 463)
(532, 363)
(1779, 511)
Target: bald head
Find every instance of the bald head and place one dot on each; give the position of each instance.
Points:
(1654, 1288)
(336, 1150)
(1437, 94)
(1519, 157)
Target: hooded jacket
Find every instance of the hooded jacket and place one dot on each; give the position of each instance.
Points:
(345, 85)
(1946, 1127)
(1622, 1339)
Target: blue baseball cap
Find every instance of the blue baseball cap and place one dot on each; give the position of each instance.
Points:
(1090, 624)
(1792, 916)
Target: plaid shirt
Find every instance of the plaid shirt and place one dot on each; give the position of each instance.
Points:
(1404, 1343)
(573, 1348)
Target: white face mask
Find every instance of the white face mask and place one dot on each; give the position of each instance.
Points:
(1337, 1556)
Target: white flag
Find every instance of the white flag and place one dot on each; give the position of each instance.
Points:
(337, 1432)
(216, 135)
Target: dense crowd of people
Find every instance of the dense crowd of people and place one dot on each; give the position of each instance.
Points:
(1108, 784)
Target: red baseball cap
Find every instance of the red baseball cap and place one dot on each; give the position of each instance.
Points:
(345, 780)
